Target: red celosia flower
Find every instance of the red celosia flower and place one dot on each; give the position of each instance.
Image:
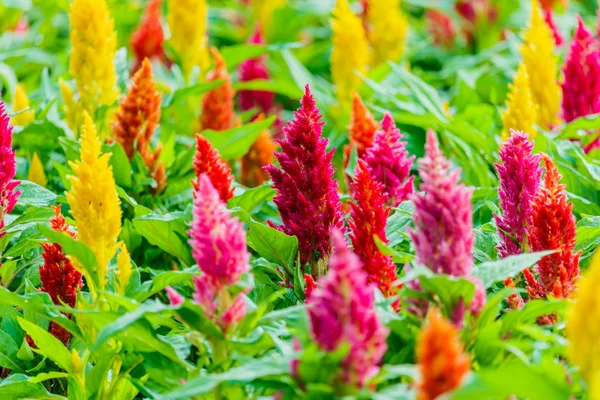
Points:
(8, 194)
(368, 219)
(474, 13)
(217, 105)
(441, 28)
(514, 300)
(361, 130)
(553, 228)
(259, 155)
(58, 276)
(549, 18)
(307, 195)
(208, 161)
(147, 41)
(549, 4)
(440, 356)
(311, 285)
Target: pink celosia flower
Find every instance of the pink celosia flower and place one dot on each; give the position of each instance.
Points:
(519, 173)
(341, 311)
(250, 70)
(8, 194)
(307, 193)
(443, 236)
(174, 297)
(389, 162)
(549, 18)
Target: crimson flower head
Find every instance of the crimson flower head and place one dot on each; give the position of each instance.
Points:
(147, 41)
(389, 162)
(549, 18)
(253, 69)
(8, 184)
(341, 311)
(519, 173)
(207, 160)
(307, 193)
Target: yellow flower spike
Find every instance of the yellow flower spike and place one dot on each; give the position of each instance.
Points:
(36, 172)
(123, 269)
(583, 329)
(350, 55)
(388, 30)
(263, 11)
(541, 63)
(20, 103)
(71, 108)
(94, 202)
(521, 111)
(94, 46)
(187, 21)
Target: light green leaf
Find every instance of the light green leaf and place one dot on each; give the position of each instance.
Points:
(494, 271)
(234, 143)
(48, 345)
(34, 195)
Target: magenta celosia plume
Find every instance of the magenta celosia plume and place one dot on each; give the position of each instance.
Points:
(253, 69)
(519, 174)
(307, 193)
(389, 162)
(549, 18)
(443, 236)
(341, 311)
(8, 184)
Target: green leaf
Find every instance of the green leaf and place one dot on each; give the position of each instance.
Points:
(175, 97)
(9, 351)
(494, 271)
(252, 198)
(119, 163)
(234, 143)
(41, 137)
(18, 386)
(234, 55)
(34, 195)
(449, 289)
(48, 345)
(588, 233)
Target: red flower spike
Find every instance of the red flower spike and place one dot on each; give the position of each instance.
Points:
(208, 161)
(147, 40)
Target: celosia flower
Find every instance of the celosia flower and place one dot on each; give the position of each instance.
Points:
(441, 28)
(549, 4)
(217, 105)
(187, 21)
(72, 109)
(341, 311)
(36, 172)
(583, 329)
(58, 277)
(20, 103)
(519, 175)
(350, 54)
(549, 18)
(389, 162)
(475, 13)
(124, 271)
(259, 155)
(387, 30)
(443, 236)
(442, 361)
(263, 11)
(368, 218)
(521, 110)
(361, 130)
(94, 46)
(147, 40)
(581, 88)
(218, 243)
(253, 69)
(552, 227)
(207, 160)
(138, 115)
(8, 194)
(307, 195)
(94, 202)
(542, 70)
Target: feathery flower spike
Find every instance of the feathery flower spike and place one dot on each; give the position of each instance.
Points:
(519, 173)
(521, 110)
(36, 172)
(350, 55)
(549, 4)
(94, 202)
(387, 30)
(259, 155)
(20, 103)
(549, 18)
(341, 311)
(94, 46)
(187, 21)
(307, 194)
(361, 130)
(443, 236)
(8, 184)
(123, 270)
(207, 160)
(552, 227)
(253, 69)
(71, 108)
(542, 69)
(217, 105)
(389, 162)
(442, 361)
(148, 39)
(441, 28)
(368, 218)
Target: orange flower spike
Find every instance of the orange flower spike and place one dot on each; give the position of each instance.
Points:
(217, 105)
(259, 155)
(442, 361)
(362, 129)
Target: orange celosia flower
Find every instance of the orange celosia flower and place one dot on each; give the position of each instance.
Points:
(442, 361)
(361, 130)
(259, 155)
(217, 105)
(208, 161)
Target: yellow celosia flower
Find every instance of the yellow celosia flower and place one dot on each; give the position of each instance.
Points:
(71, 107)
(123, 269)
(94, 46)
(388, 30)
(94, 202)
(583, 329)
(20, 103)
(187, 21)
(263, 11)
(541, 63)
(36, 172)
(521, 111)
(350, 53)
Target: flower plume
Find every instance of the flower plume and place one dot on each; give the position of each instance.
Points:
(187, 21)
(8, 184)
(253, 69)
(387, 30)
(207, 160)
(217, 105)
(148, 39)
(521, 111)
(361, 130)
(20, 103)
